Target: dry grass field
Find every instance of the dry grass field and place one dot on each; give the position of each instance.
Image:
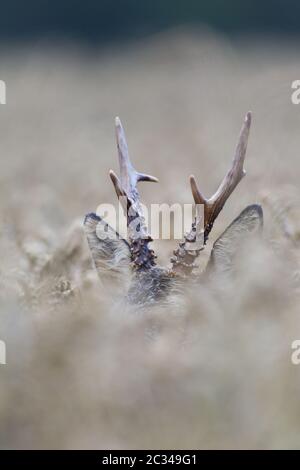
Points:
(211, 370)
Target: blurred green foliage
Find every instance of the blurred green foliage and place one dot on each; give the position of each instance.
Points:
(105, 20)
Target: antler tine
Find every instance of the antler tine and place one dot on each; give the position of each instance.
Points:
(126, 186)
(214, 205)
(183, 261)
(129, 176)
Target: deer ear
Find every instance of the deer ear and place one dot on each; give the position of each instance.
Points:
(110, 252)
(226, 248)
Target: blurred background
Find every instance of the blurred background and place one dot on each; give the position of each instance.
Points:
(82, 369)
(99, 22)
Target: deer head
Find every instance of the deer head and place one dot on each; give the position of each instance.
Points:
(134, 260)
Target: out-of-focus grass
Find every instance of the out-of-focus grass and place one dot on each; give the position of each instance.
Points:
(81, 370)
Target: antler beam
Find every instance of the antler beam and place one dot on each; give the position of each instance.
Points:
(214, 205)
(184, 256)
(126, 187)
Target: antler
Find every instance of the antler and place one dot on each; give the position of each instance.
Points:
(126, 187)
(185, 255)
